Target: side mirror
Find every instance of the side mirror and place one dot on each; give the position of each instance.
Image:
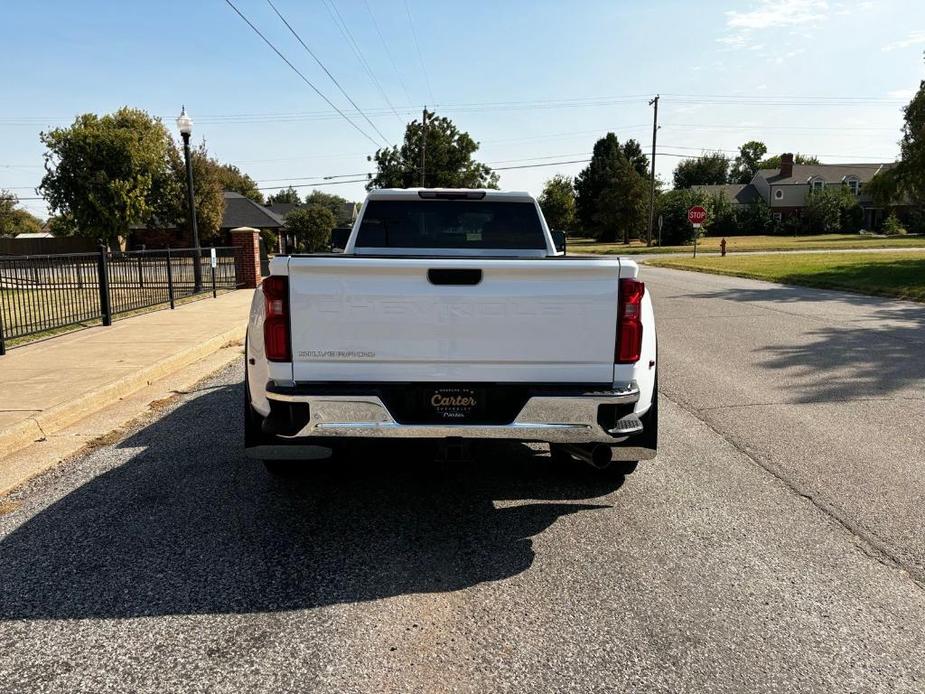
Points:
(339, 238)
(559, 240)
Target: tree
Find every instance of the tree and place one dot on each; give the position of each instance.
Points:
(311, 226)
(747, 161)
(172, 205)
(448, 161)
(105, 172)
(673, 207)
(339, 206)
(905, 181)
(721, 216)
(633, 151)
(236, 181)
(558, 202)
(912, 148)
(710, 168)
(774, 162)
(287, 195)
(14, 220)
(831, 210)
(611, 196)
(755, 218)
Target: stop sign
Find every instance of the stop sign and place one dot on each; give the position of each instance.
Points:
(696, 215)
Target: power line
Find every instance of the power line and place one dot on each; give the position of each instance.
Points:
(322, 180)
(326, 71)
(748, 126)
(296, 70)
(385, 45)
(417, 47)
(348, 35)
(364, 173)
(788, 97)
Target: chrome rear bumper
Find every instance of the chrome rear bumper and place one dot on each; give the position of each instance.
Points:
(544, 418)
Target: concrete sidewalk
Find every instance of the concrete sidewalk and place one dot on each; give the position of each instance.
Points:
(48, 385)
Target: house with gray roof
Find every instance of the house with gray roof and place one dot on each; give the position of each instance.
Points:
(786, 190)
(244, 212)
(735, 193)
(239, 212)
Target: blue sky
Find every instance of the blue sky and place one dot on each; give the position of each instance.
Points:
(526, 79)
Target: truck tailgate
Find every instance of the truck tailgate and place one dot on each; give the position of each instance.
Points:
(374, 319)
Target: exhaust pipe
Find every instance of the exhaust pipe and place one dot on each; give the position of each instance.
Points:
(598, 455)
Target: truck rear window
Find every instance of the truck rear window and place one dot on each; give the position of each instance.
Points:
(473, 224)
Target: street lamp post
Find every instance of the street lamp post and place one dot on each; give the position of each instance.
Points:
(185, 125)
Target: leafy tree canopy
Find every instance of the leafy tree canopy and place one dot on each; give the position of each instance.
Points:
(287, 195)
(208, 189)
(558, 202)
(335, 203)
(448, 160)
(632, 150)
(15, 220)
(747, 161)
(774, 162)
(710, 168)
(832, 210)
(105, 172)
(611, 195)
(907, 178)
(311, 225)
(236, 181)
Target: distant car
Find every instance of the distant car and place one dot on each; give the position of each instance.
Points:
(452, 314)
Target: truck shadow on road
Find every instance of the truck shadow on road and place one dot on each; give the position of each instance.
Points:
(187, 525)
(874, 354)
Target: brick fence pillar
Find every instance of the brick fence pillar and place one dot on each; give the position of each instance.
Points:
(248, 261)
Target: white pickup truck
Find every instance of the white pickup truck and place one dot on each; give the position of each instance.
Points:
(452, 315)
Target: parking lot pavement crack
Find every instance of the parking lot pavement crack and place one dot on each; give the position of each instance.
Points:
(866, 542)
(41, 430)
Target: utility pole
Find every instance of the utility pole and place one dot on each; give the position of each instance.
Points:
(653, 102)
(423, 145)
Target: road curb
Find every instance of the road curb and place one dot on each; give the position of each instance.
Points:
(45, 423)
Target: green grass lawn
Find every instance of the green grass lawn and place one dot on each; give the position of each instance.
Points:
(900, 275)
(755, 243)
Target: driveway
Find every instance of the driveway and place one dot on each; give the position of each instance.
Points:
(771, 546)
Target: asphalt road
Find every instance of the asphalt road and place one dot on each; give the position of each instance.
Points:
(774, 545)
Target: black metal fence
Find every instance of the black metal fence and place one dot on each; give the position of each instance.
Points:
(43, 293)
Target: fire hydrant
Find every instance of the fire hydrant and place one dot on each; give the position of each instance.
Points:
(722, 248)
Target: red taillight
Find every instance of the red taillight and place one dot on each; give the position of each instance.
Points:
(629, 322)
(276, 318)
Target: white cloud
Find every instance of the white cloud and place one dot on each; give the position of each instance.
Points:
(784, 57)
(901, 93)
(913, 38)
(846, 8)
(743, 27)
(783, 13)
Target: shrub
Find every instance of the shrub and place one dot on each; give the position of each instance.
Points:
(832, 210)
(892, 226)
(721, 216)
(673, 207)
(755, 218)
